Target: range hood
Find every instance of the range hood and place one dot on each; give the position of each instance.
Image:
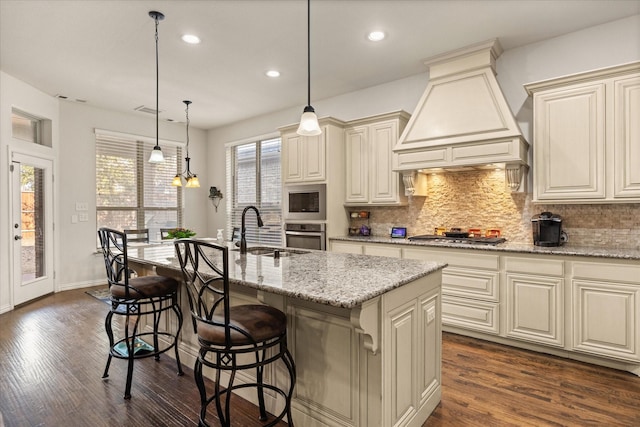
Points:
(463, 120)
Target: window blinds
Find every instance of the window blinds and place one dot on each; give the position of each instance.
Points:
(253, 179)
(132, 193)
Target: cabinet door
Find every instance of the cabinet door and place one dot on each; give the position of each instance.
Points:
(626, 122)
(384, 182)
(313, 156)
(570, 143)
(606, 320)
(535, 308)
(292, 158)
(357, 156)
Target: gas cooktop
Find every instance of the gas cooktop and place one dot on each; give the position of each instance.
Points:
(470, 240)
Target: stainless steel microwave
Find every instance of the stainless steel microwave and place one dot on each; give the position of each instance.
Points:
(305, 202)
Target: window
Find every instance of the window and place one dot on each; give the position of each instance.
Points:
(29, 128)
(253, 178)
(132, 193)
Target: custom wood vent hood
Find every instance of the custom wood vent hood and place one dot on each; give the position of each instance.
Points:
(463, 120)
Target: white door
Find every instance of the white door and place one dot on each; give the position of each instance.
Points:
(32, 227)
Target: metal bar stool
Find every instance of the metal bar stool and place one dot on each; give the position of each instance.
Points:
(132, 298)
(140, 235)
(231, 338)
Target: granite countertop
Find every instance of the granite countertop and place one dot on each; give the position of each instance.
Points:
(567, 250)
(340, 280)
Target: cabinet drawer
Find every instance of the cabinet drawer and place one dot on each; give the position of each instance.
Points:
(476, 315)
(476, 284)
(380, 250)
(465, 259)
(613, 272)
(346, 248)
(536, 266)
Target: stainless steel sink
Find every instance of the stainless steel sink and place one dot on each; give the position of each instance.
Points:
(267, 251)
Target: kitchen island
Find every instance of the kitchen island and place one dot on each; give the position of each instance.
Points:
(364, 331)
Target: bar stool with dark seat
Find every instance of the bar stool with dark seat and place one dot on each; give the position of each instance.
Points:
(132, 298)
(231, 338)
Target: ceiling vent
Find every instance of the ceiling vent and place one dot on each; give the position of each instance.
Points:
(148, 110)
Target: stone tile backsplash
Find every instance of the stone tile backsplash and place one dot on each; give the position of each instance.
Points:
(480, 199)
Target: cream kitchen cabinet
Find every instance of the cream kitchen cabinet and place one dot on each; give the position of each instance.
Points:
(470, 288)
(304, 158)
(581, 307)
(535, 300)
(606, 297)
(345, 247)
(369, 157)
(374, 249)
(587, 137)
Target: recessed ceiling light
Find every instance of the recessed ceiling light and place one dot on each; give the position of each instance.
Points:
(376, 36)
(191, 39)
(273, 73)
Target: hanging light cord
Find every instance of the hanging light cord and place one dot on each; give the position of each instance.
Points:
(308, 52)
(187, 111)
(157, 86)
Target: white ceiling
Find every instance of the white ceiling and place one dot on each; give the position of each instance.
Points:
(104, 51)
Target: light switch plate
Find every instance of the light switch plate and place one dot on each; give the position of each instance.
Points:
(82, 206)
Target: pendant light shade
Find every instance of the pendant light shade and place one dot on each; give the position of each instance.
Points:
(156, 153)
(190, 178)
(309, 125)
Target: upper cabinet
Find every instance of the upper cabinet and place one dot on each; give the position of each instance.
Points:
(369, 143)
(304, 158)
(587, 137)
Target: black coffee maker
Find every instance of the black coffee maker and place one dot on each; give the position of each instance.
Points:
(547, 229)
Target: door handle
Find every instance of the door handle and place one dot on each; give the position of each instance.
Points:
(17, 237)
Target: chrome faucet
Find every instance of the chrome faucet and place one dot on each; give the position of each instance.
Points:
(243, 230)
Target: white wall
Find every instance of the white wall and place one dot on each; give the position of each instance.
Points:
(81, 265)
(17, 94)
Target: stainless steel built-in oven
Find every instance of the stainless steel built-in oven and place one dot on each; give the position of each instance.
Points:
(305, 236)
(306, 202)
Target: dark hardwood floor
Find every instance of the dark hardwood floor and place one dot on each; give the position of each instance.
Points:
(52, 353)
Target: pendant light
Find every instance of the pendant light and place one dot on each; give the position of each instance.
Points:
(156, 153)
(309, 121)
(191, 178)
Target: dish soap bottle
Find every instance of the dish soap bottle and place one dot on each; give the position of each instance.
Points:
(220, 236)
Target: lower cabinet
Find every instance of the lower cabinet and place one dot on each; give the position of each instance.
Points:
(606, 300)
(534, 300)
(470, 288)
(586, 308)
